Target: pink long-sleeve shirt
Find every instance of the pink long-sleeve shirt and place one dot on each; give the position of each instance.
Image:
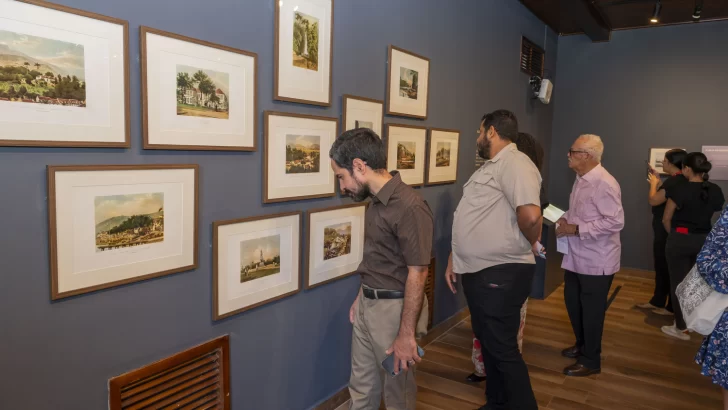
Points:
(596, 206)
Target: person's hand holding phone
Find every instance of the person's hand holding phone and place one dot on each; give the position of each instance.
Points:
(405, 353)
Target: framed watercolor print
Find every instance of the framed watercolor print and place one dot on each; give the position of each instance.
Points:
(360, 112)
(656, 157)
(197, 95)
(255, 261)
(303, 51)
(296, 164)
(112, 225)
(408, 84)
(442, 156)
(406, 147)
(64, 77)
(335, 243)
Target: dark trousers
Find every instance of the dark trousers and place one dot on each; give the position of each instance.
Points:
(682, 253)
(662, 272)
(495, 296)
(586, 302)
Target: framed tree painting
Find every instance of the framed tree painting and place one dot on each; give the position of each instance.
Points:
(360, 112)
(335, 243)
(406, 147)
(303, 51)
(197, 95)
(442, 156)
(255, 261)
(296, 164)
(408, 84)
(64, 77)
(112, 225)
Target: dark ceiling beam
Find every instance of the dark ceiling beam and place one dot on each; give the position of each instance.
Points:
(585, 14)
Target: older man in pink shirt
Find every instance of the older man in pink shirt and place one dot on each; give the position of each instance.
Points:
(592, 227)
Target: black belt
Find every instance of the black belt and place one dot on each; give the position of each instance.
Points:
(382, 294)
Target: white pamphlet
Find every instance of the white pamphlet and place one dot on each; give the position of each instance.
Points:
(562, 244)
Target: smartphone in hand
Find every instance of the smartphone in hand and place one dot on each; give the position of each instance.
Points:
(388, 362)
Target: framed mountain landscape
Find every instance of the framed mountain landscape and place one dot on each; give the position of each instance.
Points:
(408, 84)
(406, 147)
(197, 95)
(442, 153)
(118, 224)
(64, 77)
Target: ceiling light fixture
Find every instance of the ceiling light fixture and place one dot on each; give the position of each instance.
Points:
(656, 14)
(698, 10)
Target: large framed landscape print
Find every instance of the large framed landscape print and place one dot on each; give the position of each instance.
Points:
(197, 95)
(335, 243)
(111, 225)
(255, 261)
(408, 84)
(303, 51)
(442, 152)
(64, 77)
(360, 112)
(296, 162)
(406, 148)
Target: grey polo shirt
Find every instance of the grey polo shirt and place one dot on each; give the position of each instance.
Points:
(485, 231)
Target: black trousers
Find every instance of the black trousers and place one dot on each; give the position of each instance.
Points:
(586, 302)
(495, 296)
(662, 272)
(682, 253)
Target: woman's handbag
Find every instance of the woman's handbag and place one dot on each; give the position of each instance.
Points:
(701, 305)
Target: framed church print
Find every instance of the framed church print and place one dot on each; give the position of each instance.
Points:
(442, 156)
(408, 84)
(360, 112)
(406, 148)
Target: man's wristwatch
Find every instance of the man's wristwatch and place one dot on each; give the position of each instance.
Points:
(576, 231)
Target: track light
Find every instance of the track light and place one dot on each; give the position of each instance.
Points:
(698, 10)
(656, 14)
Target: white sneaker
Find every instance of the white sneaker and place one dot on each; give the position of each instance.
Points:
(662, 312)
(675, 332)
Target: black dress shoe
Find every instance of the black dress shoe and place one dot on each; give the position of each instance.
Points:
(571, 352)
(474, 378)
(579, 370)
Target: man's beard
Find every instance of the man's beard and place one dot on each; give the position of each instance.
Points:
(361, 194)
(484, 148)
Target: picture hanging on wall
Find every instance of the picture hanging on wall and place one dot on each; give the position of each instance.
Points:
(64, 77)
(442, 164)
(335, 244)
(255, 261)
(406, 152)
(656, 157)
(197, 95)
(112, 225)
(360, 112)
(303, 51)
(296, 162)
(408, 85)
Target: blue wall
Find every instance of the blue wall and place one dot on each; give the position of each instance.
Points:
(293, 353)
(656, 87)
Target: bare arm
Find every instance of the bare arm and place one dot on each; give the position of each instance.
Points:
(529, 222)
(414, 293)
(657, 195)
(669, 213)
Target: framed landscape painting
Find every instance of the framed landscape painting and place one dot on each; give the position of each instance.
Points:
(442, 164)
(360, 112)
(112, 225)
(64, 77)
(197, 95)
(296, 162)
(303, 51)
(335, 243)
(255, 261)
(408, 84)
(406, 147)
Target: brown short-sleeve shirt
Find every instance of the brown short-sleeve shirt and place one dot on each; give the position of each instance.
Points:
(399, 233)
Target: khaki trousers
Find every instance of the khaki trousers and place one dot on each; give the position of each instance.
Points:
(375, 327)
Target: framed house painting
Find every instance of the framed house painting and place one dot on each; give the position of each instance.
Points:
(197, 95)
(296, 164)
(408, 84)
(64, 77)
(112, 225)
(406, 152)
(303, 51)
(360, 112)
(656, 157)
(255, 261)
(335, 243)
(442, 156)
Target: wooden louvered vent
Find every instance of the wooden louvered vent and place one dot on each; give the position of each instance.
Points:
(197, 378)
(430, 292)
(532, 58)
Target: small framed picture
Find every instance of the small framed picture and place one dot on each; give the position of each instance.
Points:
(303, 51)
(335, 244)
(197, 95)
(112, 225)
(406, 148)
(360, 112)
(64, 77)
(656, 157)
(442, 164)
(296, 162)
(255, 261)
(408, 84)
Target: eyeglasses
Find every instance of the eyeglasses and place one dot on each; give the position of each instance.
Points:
(573, 151)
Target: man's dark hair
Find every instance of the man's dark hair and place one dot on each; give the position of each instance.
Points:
(676, 157)
(504, 122)
(528, 145)
(361, 143)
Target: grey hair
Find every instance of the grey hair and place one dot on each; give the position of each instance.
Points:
(594, 145)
